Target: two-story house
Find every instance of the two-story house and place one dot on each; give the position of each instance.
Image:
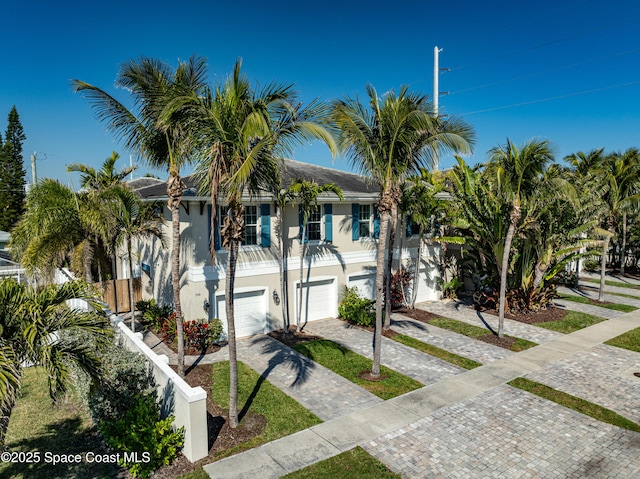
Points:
(341, 240)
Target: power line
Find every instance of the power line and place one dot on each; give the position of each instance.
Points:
(542, 100)
(552, 70)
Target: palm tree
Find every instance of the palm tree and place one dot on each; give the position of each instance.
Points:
(245, 134)
(134, 220)
(306, 193)
(516, 172)
(57, 226)
(389, 141)
(154, 86)
(106, 177)
(38, 328)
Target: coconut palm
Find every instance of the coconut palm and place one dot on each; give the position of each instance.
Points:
(59, 226)
(36, 328)
(106, 177)
(517, 173)
(134, 219)
(154, 86)
(245, 134)
(305, 193)
(388, 141)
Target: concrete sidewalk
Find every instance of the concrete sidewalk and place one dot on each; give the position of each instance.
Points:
(524, 434)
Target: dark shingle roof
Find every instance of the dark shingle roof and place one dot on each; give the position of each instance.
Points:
(352, 185)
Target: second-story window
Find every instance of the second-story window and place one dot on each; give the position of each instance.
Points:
(314, 225)
(365, 220)
(251, 218)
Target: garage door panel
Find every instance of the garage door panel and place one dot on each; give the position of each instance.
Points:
(366, 284)
(250, 311)
(318, 299)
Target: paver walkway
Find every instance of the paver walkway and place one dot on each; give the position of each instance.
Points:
(403, 359)
(612, 289)
(471, 425)
(587, 308)
(611, 277)
(592, 293)
(448, 340)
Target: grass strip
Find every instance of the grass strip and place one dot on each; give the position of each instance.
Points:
(350, 365)
(37, 425)
(615, 306)
(353, 464)
(475, 332)
(284, 415)
(620, 284)
(437, 352)
(577, 404)
(629, 340)
(573, 321)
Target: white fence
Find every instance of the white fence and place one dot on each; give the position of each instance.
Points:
(187, 404)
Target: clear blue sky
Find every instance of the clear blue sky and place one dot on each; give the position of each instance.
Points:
(536, 58)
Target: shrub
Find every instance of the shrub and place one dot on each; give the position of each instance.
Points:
(399, 282)
(450, 288)
(356, 309)
(168, 327)
(199, 335)
(591, 265)
(141, 431)
(152, 313)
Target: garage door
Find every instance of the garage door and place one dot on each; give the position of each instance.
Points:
(427, 289)
(319, 300)
(250, 311)
(366, 284)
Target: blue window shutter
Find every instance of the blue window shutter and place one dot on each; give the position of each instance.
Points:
(376, 222)
(409, 226)
(355, 221)
(328, 222)
(265, 225)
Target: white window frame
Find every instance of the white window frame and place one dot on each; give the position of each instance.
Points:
(361, 222)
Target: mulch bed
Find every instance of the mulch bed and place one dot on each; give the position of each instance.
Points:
(221, 436)
(293, 338)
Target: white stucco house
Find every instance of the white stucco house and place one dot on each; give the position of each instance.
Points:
(341, 252)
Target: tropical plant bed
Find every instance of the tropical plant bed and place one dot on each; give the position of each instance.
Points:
(173, 345)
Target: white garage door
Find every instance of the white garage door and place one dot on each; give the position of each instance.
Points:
(366, 284)
(427, 289)
(250, 311)
(319, 300)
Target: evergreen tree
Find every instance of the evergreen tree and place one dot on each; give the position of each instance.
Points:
(12, 173)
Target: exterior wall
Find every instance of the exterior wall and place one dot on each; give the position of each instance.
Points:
(257, 267)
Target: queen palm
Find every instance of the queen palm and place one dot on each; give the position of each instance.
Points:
(245, 133)
(516, 172)
(388, 141)
(154, 85)
(305, 193)
(36, 325)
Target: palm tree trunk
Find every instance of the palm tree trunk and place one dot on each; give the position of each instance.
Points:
(87, 260)
(416, 273)
(382, 246)
(302, 251)
(285, 318)
(132, 306)
(232, 258)
(389, 267)
(623, 253)
(175, 280)
(603, 267)
(503, 276)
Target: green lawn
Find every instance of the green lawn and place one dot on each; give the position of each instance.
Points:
(620, 284)
(577, 404)
(573, 321)
(350, 365)
(629, 340)
(581, 299)
(284, 415)
(437, 352)
(353, 464)
(475, 332)
(37, 425)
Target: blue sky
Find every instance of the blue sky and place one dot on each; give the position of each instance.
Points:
(535, 58)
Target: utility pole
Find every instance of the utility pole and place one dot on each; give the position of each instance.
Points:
(436, 93)
(34, 176)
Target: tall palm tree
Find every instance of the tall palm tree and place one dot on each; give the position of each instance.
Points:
(35, 325)
(154, 86)
(245, 133)
(134, 219)
(517, 172)
(388, 140)
(305, 193)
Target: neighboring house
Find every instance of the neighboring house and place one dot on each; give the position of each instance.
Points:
(341, 252)
(4, 240)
